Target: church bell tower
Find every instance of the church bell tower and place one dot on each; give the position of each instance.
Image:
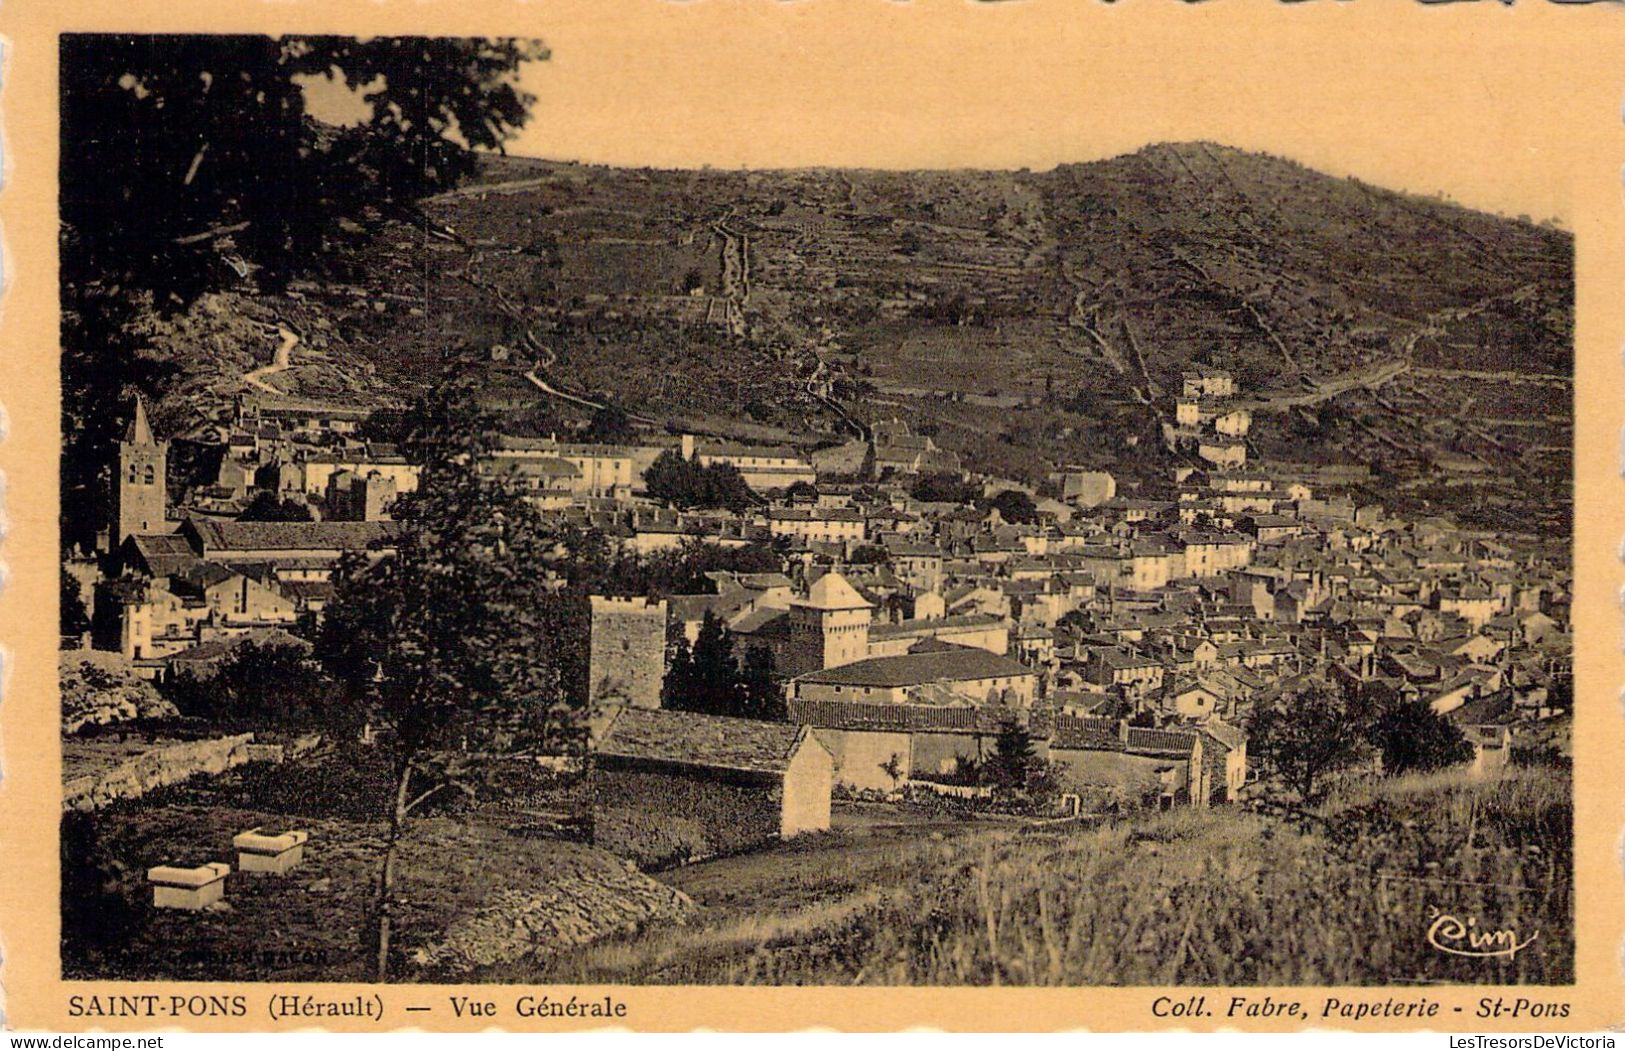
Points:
(139, 494)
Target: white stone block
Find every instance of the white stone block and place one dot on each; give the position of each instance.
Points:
(274, 853)
(174, 887)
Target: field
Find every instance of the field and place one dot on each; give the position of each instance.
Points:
(315, 923)
(1344, 896)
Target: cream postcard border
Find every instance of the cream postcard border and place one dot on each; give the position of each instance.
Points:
(1544, 80)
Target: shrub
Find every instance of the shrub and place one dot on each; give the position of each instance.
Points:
(1414, 738)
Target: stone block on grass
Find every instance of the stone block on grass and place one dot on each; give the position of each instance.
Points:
(270, 853)
(177, 887)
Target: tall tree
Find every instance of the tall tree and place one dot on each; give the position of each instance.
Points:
(73, 619)
(761, 692)
(713, 685)
(711, 679)
(679, 682)
(1013, 755)
(1305, 737)
(445, 638)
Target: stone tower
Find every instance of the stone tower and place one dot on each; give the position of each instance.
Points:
(139, 495)
(627, 655)
(830, 627)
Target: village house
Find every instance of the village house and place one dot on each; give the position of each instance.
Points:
(1138, 765)
(917, 564)
(1224, 750)
(765, 468)
(313, 471)
(353, 497)
(827, 524)
(984, 631)
(880, 746)
(942, 675)
(1206, 382)
(548, 483)
(277, 543)
(1222, 451)
(1122, 667)
(722, 785)
(304, 419)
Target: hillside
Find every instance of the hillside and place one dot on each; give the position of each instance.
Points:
(1015, 313)
(1339, 897)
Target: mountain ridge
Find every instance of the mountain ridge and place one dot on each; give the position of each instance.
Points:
(1071, 299)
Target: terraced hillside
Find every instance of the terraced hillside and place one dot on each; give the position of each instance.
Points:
(1017, 313)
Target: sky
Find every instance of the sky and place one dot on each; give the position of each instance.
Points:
(1471, 104)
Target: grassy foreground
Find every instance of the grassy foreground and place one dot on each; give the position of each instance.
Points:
(1345, 895)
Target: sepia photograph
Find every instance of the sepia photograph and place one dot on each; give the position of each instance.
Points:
(485, 562)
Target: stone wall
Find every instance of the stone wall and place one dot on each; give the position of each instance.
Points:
(658, 818)
(627, 659)
(163, 764)
(861, 756)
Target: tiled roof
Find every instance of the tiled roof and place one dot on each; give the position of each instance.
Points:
(1145, 739)
(290, 536)
(900, 718)
(911, 669)
(820, 514)
(1086, 733)
(1229, 736)
(757, 621)
(165, 554)
(939, 626)
(692, 739)
(832, 592)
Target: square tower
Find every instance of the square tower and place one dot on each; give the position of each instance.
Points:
(830, 627)
(627, 654)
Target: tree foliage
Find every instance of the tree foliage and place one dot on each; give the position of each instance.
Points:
(269, 684)
(689, 484)
(71, 614)
(802, 491)
(610, 425)
(944, 489)
(1305, 737)
(446, 641)
(269, 507)
(445, 633)
(182, 152)
(1015, 506)
(1413, 738)
(597, 566)
(1017, 773)
(709, 678)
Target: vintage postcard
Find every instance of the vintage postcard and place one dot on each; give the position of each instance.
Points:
(765, 515)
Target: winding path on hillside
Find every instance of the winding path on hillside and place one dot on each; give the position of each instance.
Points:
(280, 362)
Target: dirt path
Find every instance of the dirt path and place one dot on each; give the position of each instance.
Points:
(553, 392)
(1546, 378)
(280, 362)
(1327, 389)
(735, 276)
